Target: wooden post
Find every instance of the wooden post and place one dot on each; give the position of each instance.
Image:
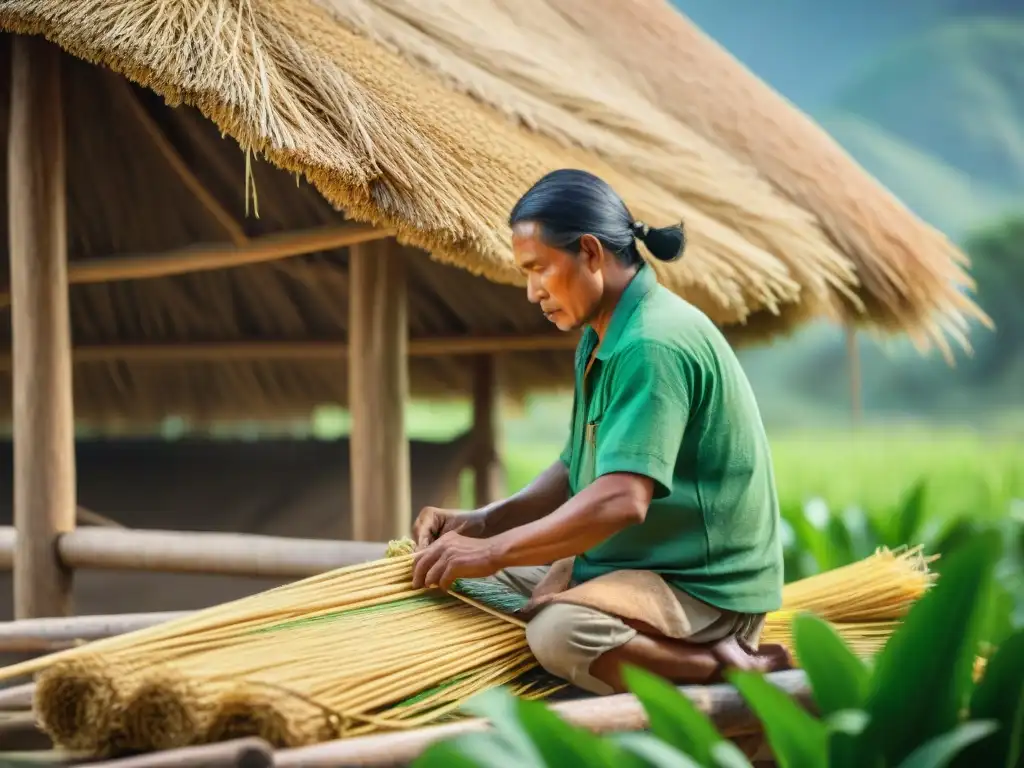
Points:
(44, 447)
(487, 470)
(853, 359)
(378, 386)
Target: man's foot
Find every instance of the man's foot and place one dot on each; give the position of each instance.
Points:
(732, 654)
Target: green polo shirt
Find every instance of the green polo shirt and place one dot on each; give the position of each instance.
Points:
(667, 398)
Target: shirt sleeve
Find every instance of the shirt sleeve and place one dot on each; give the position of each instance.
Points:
(642, 427)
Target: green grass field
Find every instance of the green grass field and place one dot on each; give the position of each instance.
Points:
(977, 473)
(965, 472)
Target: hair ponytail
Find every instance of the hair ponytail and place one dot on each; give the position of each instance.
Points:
(664, 243)
(569, 203)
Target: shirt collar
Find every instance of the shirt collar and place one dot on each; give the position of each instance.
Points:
(643, 283)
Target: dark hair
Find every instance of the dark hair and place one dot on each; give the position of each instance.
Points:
(568, 204)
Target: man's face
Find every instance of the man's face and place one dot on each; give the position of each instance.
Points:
(567, 287)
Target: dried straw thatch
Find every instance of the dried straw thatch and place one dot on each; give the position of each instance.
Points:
(429, 117)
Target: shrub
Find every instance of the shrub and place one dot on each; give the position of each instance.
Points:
(915, 706)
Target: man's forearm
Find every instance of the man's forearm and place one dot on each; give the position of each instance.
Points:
(548, 491)
(594, 515)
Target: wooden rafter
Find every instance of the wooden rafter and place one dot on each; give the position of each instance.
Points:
(177, 164)
(304, 351)
(207, 256)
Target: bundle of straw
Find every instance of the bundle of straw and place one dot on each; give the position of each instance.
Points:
(357, 650)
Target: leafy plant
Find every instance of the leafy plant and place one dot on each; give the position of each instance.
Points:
(915, 706)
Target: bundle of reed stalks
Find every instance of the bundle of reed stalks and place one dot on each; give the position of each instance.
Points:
(358, 650)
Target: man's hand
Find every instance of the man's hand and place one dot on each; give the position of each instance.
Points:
(451, 557)
(433, 522)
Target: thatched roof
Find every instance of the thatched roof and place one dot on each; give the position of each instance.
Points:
(429, 117)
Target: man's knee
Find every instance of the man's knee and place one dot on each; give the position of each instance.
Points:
(566, 640)
(550, 637)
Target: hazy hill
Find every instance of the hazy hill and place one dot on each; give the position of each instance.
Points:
(955, 92)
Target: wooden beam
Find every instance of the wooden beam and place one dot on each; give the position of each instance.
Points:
(44, 448)
(174, 160)
(261, 350)
(723, 704)
(486, 461)
(209, 256)
(378, 388)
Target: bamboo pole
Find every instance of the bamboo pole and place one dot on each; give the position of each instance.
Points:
(305, 350)
(47, 635)
(604, 714)
(229, 554)
(17, 697)
(240, 753)
(44, 449)
(19, 731)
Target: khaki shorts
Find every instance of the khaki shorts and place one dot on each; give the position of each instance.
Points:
(567, 639)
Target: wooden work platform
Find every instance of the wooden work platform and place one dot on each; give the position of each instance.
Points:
(21, 741)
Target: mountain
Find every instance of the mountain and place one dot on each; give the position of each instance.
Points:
(955, 92)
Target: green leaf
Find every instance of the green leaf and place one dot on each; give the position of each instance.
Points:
(797, 739)
(839, 679)
(653, 752)
(941, 750)
(500, 707)
(863, 532)
(472, 750)
(999, 696)
(840, 542)
(562, 744)
(930, 657)
(725, 754)
(909, 515)
(850, 722)
(953, 537)
(673, 717)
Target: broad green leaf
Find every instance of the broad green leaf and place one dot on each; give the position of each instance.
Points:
(863, 532)
(909, 515)
(653, 752)
(840, 543)
(941, 750)
(500, 707)
(929, 659)
(999, 696)
(472, 750)
(850, 722)
(845, 728)
(561, 744)
(797, 739)
(673, 717)
(955, 535)
(839, 679)
(725, 754)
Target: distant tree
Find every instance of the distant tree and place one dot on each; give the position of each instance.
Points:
(997, 266)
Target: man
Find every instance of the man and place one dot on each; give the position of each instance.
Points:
(662, 508)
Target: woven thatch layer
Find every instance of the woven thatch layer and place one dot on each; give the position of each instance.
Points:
(431, 117)
(308, 83)
(131, 202)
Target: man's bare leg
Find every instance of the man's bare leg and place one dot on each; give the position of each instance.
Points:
(683, 663)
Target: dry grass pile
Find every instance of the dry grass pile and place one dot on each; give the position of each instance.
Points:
(357, 651)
